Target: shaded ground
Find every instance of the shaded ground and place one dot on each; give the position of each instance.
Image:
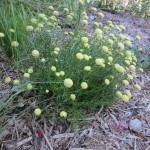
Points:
(107, 129)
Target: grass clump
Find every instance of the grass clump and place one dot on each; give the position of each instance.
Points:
(71, 71)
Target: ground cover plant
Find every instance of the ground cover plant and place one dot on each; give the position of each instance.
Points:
(67, 71)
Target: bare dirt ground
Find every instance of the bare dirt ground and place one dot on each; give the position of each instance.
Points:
(107, 129)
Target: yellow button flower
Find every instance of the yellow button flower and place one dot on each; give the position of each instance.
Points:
(79, 56)
(84, 22)
(128, 53)
(94, 9)
(121, 46)
(138, 87)
(122, 37)
(14, 44)
(119, 68)
(127, 62)
(119, 94)
(16, 82)
(55, 52)
(126, 82)
(105, 49)
(41, 15)
(40, 25)
(125, 98)
(101, 15)
(53, 68)
(29, 28)
(84, 85)
(30, 70)
(29, 86)
(110, 41)
(128, 43)
(107, 82)
(7, 80)
(140, 69)
(98, 31)
(110, 59)
(35, 53)
(63, 114)
(72, 96)
(96, 24)
(81, 2)
(68, 83)
(37, 111)
(130, 76)
(87, 68)
(51, 7)
(26, 75)
(33, 20)
(11, 30)
(84, 40)
(132, 67)
(86, 57)
(43, 60)
(86, 45)
(62, 73)
(69, 17)
(138, 38)
(47, 91)
(2, 35)
(99, 61)
(57, 49)
(66, 10)
(57, 74)
(85, 17)
(55, 13)
(129, 94)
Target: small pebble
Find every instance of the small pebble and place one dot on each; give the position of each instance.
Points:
(135, 125)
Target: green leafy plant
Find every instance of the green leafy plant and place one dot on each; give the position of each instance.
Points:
(68, 71)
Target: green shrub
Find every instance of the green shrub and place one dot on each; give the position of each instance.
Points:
(70, 71)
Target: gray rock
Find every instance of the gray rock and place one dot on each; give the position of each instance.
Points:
(135, 125)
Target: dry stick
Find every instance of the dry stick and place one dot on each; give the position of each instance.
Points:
(24, 141)
(50, 146)
(100, 110)
(135, 144)
(16, 129)
(147, 148)
(64, 135)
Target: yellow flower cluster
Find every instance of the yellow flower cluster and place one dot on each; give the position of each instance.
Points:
(15, 44)
(100, 62)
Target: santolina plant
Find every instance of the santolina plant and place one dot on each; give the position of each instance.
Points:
(79, 69)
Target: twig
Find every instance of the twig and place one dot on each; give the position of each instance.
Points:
(147, 148)
(24, 141)
(135, 144)
(65, 135)
(16, 129)
(100, 110)
(49, 144)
